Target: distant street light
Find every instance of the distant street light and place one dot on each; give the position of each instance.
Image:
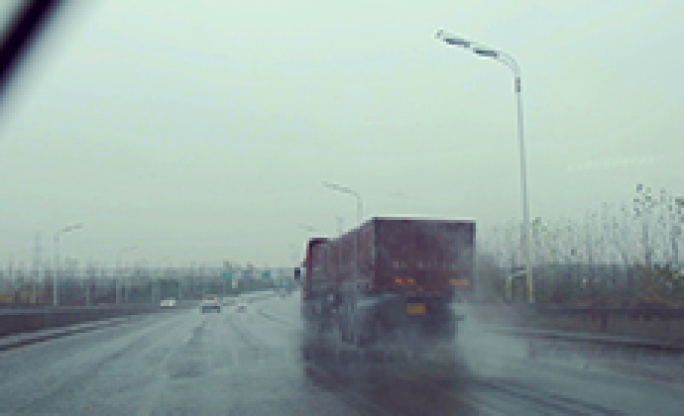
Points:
(309, 228)
(344, 189)
(510, 62)
(57, 267)
(119, 271)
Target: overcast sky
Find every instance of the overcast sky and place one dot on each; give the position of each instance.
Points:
(201, 131)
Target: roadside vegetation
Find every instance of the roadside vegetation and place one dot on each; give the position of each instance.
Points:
(614, 255)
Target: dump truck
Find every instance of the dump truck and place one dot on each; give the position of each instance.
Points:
(391, 280)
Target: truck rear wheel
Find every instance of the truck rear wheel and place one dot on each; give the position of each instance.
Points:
(369, 334)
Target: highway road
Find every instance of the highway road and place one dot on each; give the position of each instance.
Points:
(250, 363)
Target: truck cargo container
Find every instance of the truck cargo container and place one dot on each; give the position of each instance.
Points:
(389, 280)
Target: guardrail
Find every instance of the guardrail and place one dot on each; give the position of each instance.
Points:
(649, 322)
(15, 319)
(644, 343)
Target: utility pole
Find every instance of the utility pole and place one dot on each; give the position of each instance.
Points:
(88, 281)
(11, 268)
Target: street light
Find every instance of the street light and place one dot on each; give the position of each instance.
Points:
(57, 267)
(309, 228)
(344, 189)
(119, 271)
(510, 62)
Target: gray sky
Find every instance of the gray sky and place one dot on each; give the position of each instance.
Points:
(203, 130)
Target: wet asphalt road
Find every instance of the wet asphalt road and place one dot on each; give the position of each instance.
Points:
(250, 363)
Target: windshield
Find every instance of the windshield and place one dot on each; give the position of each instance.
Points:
(361, 207)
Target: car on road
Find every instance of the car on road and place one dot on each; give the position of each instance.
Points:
(241, 307)
(168, 303)
(210, 303)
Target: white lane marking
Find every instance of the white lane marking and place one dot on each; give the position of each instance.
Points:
(65, 377)
(159, 386)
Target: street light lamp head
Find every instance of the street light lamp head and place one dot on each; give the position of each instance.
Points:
(489, 53)
(309, 228)
(452, 40)
(334, 186)
(70, 228)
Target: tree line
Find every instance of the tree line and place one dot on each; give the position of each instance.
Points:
(614, 254)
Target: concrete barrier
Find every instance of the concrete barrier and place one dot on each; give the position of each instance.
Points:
(644, 322)
(15, 321)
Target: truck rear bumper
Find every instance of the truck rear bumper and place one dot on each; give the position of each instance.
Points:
(423, 317)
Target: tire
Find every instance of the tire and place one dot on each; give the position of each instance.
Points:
(369, 334)
(338, 333)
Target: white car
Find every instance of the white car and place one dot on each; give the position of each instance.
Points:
(168, 303)
(209, 303)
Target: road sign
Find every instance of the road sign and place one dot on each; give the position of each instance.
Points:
(227, 275)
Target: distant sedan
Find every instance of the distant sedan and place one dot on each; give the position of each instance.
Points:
(210, 302)
(168, 303)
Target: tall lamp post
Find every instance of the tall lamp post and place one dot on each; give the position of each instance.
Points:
(310, 229)
(119, 271)
(57, 267)
(511, 63)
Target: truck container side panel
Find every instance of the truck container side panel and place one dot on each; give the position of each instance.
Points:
(346, 270)
(342, 263)
(308, 275)
(311, 269)
(331, 262)
(346, 277)
(319, 279)
(365, 253)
